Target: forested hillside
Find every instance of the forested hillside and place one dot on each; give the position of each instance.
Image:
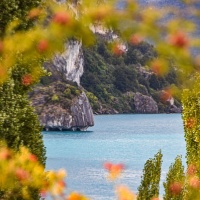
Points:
(117, 83)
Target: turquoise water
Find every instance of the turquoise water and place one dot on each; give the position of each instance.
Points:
(128, 139)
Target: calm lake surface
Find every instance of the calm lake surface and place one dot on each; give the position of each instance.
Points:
(128, 139)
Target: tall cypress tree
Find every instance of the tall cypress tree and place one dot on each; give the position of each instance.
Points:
(191, 119)
(174, 181)
(149, 187)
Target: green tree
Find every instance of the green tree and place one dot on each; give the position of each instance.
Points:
(16, 9)
(149, 187)
(191, 117)
(174, 181)
(19, 124)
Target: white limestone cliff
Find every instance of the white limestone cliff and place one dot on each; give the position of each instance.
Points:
(66, 67)
(70, 63)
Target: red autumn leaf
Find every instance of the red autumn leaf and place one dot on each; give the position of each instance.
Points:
(179, 39)
(42, 45)
(5, 154)
(108, 166)
(194, 182)
(34, 13)
(33, 158)
(191, 122)
(118, 50)
(61, 18)
(136, 39)
(21, 174)
(27, 79)
(176, 188)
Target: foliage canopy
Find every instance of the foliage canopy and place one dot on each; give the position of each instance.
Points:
(52, 24)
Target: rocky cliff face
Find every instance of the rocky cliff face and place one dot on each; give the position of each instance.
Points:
(82, 114)
(78, 117)
(70, 63)
(63, 105)
(144, 104)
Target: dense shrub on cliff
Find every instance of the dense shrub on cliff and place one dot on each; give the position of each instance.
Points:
(110, 77)
(57, 94)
